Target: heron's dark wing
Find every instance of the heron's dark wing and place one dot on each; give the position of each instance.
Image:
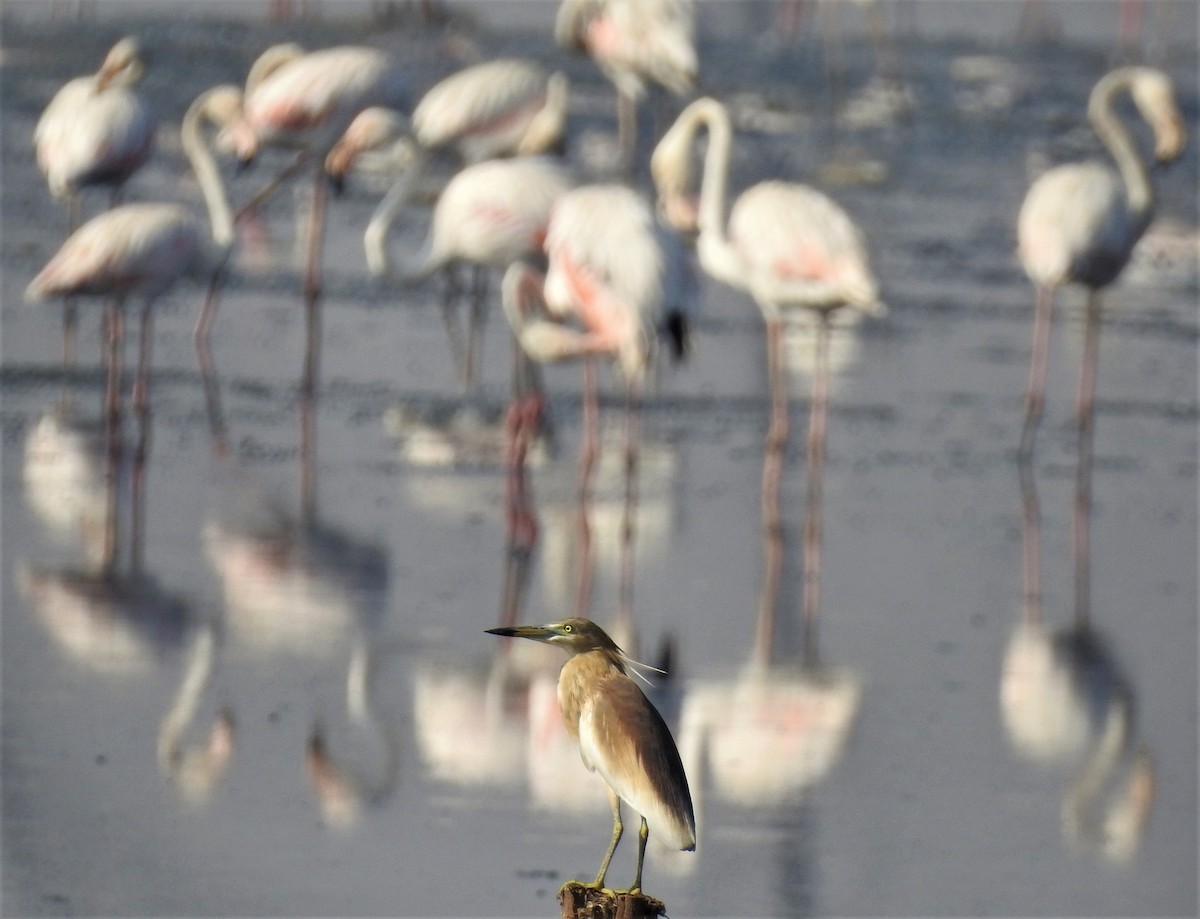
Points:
(624, 739)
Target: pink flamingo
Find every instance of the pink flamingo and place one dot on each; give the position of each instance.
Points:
(624, 280)
(507, 107)
(489, 216)
(1078, 224)
(634, 43)
(95, 131)
(143, 250)
(499, 108)
(504, 107)
(789, 247)
(306, 102)
(1080, 221)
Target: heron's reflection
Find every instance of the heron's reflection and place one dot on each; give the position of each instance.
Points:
(1066, 704)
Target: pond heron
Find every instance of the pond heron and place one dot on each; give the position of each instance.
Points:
(620, 735)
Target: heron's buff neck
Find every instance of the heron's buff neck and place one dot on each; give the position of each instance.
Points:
(583, 670)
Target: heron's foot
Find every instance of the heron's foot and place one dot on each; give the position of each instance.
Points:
(596, 885)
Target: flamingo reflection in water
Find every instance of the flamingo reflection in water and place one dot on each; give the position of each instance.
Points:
(110, 614)
(298, 590)
(782, 725)
(309, 592)
(1065, 703)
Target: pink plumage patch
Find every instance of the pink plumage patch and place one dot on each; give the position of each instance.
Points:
(804, 263)
(293, 115)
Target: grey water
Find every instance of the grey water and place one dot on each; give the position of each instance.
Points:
(285, 704)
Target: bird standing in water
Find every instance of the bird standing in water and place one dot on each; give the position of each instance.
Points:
(95, 131)
(634, 43)
(1080, 221)
(1079, 224)
(620, 735)
(791, 248)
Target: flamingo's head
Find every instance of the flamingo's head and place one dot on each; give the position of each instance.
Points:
(371, 129)
(547, 130)
(122, 66)
(671, 168)
(1154, 97)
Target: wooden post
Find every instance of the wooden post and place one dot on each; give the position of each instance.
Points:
(582, 902)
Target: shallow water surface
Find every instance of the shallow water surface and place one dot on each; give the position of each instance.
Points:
(283, 702)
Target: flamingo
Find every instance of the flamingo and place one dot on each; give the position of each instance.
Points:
(634, 43)
(143, 250)
(1080, 221)
(95, 131)
(306, 102)
(624, 279)
(789, 247)
(504, 107)
(488, 216)
(1078, 224)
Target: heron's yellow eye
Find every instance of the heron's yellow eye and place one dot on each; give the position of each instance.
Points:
(568, 628)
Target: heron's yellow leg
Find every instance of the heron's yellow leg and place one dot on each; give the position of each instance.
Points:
(643, 835)
(618, 828)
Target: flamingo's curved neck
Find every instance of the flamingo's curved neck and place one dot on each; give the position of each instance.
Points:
(205, 168)
(546, 127)
(1139, 191)
(1084, 794)
(716, 253)
(408, 265)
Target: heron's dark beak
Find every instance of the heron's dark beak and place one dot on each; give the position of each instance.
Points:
(535, 632)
